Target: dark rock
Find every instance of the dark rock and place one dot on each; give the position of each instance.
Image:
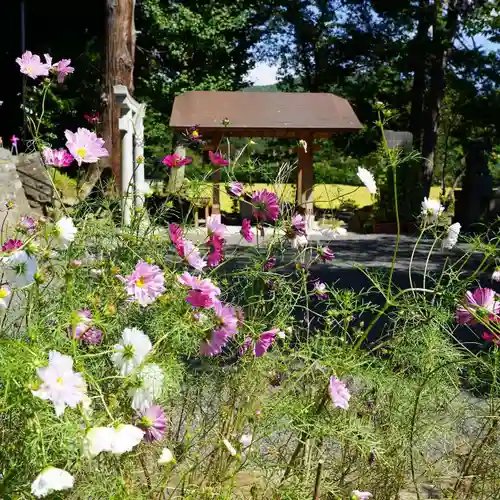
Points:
(36, 181)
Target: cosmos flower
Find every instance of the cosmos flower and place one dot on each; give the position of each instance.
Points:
(57, 157)
(431, 210)
(265, 205)
(65, 231)
(264, 342)
(246, 230)
(482, 302)
(27, 223)
(145, 284)
(326, 254)
(203, 292)
(62, 69)
(216, 250)
(148, 386)
(214, 227)
(338, 393)
(19, 268)
(153, 422)
(85, 146)
(176, 161)
(320, 290)
(176, 237)
(116, 440)
(298, 225)
(235, 188)
(32, 66)
(360, 495)
(60, 384)
(11, 246)
(166, 457)
(367, 179)
(217, 159)
(51, 479)
(452, 236)
(4, 293)
(192, 256)
(132, 350)
(495, 276)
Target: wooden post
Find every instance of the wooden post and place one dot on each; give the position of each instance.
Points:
(305, 178)
(119, 70)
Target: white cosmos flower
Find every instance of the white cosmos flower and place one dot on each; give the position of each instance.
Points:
(51, 479)
(133, 348)
(19, 268)
(496, 274)
(166, 457)
(4, 293)
(151, 379)
(431, 209)
(65, 231)
(367, 179)
(246, 440)
(114, 440)
(452, 236)
(230, 448)
(299, 242)
(334, 229)
(60, 384)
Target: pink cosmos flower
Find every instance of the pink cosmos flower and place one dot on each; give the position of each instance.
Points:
(235, 188)
(75, 263)
(246, 230)
(176, 237)
(265, 341)
(216, 250)
(153, 422)
(11, 245)
(32, 66)
(491, 337)
(298, 225)
(320, 290)
(27, 223)
(145, 284)
(271, 262)
(214, 345)
(193, 134)
(217, 159)
(326, 254)
(93, 118)
(226, 319)
(192, 256)
(14, 140)
(214, 227)
(203, 293)
(175, 161)
(338, 393)
(63, 69)
(83, 329)
(57, 157)
(360, 495)
(265, 205)
(85, 146)
(482, 302)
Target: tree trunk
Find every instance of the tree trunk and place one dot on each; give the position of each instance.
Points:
(444, 34)
(119, 69)
(420, 47)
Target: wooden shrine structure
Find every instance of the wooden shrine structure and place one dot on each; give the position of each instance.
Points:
(291, 115)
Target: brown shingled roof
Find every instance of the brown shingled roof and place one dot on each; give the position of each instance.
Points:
(264, 114)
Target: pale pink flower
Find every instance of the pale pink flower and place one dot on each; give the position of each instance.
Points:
(214, 226)
(338, 393)
(153, 422)
(145, 284)
(235, 188)
(32, 66)
(85, 146)
(246, 230)
(214, 345)
(360, 495)
(28, 223)
(192, 256)
(298, 225)
(265, 341)
(482, 302)
(226, 318)
(63, 69)
(265, 205)
(326, 254)
(57, 157)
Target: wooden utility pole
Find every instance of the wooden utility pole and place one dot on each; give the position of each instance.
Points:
(118, 70)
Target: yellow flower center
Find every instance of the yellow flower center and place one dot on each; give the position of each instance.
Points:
(3, 293)
(59, 380)
(81, 152)
(195, 133)
(140, 282)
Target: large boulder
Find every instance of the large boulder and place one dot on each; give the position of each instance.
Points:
(13, 201)
(36, 181)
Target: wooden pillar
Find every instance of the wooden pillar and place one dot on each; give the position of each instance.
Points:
(305, 178)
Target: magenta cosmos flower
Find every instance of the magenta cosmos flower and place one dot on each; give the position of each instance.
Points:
(216, 250)
(246, 230)
(482, 302)
(63, 69)
(226, 318)
(153, 422)
(11, 245)
(214, 227)
(271, 262)
(320, 290)
(93, 118)
(217, 159)
(326, 254)
(145, 284)
(235, 188)
(57, 157)
(176, 237)
(213, 345)
(265, 205)
(203, 293)
(32, 66)
(338, 393)
(265, 341)
(85, 146)
(175, 161)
